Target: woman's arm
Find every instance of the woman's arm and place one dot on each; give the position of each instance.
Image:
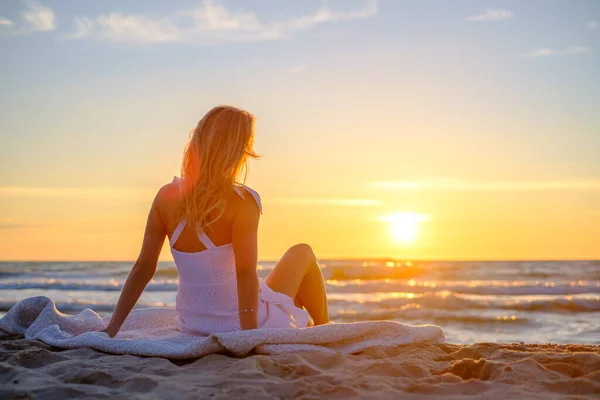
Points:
(143, 270)
(244, 239)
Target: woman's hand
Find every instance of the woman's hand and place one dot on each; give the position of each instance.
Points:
(110, 331)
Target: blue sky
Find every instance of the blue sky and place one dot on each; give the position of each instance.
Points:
(352, 97)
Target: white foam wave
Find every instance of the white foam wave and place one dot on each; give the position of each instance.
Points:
(456, 302)
(481, 288)
(110, 286)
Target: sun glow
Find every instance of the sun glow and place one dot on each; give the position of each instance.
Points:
(404, 227)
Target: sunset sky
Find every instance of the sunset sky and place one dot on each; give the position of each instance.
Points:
(407, 129)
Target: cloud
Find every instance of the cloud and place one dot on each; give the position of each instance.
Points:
(541, 53)
(326, 15)
(351, 202)
(449, 184)
(38, 18)
(127, 28)
(74, 193)
(211, 23)
(10, 224)
(212, 17)
(34, 18)
(492, 14)
(21, 192)
(545, 52)
(593, 25)
(577, 50)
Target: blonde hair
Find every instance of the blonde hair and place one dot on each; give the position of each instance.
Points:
(214, 159)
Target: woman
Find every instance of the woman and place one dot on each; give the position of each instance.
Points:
(212, 221)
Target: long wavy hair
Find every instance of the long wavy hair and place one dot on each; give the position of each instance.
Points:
(214, 161)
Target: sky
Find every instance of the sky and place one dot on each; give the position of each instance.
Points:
(409, 129)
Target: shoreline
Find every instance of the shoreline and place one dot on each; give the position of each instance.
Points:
(32, 369)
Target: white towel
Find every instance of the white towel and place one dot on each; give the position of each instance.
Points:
(152, 332)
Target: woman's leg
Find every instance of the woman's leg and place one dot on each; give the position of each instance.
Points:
(298, 275)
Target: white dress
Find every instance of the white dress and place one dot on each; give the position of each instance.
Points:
(207, 298)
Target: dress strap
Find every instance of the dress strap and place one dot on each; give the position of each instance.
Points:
(202, 237)
(177, 232)
(181, 225)
(177, 180)
(239, 191)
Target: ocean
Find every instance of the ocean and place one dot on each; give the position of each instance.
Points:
(500, 301)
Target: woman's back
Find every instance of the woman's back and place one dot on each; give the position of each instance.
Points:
(220, 231)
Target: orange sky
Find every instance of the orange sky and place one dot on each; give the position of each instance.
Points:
(522, 221)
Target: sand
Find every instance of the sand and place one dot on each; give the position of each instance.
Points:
(31, 369)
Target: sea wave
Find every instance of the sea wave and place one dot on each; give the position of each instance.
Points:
(393, 305)
(110, 286)
(341, 287)
(345, 273)
(340, 270)
(446, 301)
(478, 288)
(420, 315)
(74, 306)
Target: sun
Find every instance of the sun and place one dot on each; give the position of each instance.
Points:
(404, 227)
(404, 231)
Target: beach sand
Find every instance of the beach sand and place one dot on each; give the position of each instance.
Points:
(31, 369)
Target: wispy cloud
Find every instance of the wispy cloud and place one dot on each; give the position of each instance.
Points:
(35, 17)
(74, 193)
(541, 53)
(593, 25)
(20, 192)
(491, 14)
(442, 184)
(11, 224)
(38, 18)
(351, 202)
(545, 52)
(577, 50)
(211, 23)
(127, 28)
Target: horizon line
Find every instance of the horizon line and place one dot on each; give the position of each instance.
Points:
(328, 259)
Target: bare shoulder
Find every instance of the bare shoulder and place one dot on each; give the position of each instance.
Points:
(247, 201)
(168, 195)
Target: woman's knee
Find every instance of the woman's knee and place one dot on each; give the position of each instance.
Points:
(302, 250)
